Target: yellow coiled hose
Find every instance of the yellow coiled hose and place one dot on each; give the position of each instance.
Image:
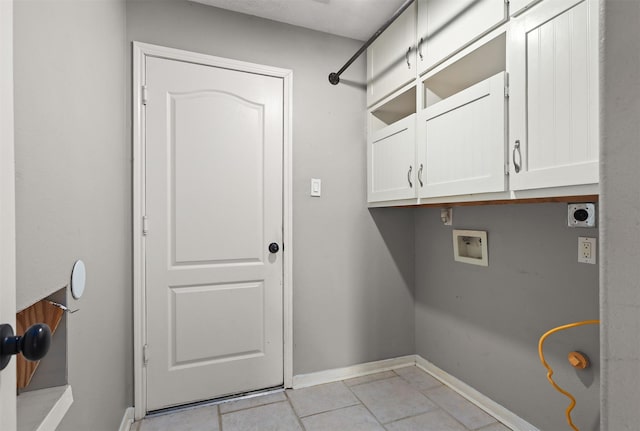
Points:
(550, 371)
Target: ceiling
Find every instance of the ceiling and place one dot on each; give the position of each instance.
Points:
(356, 19)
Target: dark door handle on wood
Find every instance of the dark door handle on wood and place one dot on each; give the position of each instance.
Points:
(33, 345)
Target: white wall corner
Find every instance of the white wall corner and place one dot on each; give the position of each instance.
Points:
(127, 420)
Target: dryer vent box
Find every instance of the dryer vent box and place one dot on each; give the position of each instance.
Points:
(470, 246)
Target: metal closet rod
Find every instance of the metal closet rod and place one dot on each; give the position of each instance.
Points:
(334, 77)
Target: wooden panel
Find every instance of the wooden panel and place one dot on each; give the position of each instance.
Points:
(40, 312)
(553, 106)
(558, 102)
(464, 141)
(391, 154)
(387, 68)
(558, 199)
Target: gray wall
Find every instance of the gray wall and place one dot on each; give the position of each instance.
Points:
(620, 275)
(353, 272)
(482, 324)
(73, 189)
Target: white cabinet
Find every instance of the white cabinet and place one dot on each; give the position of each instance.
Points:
(553, 114)
(391, 149)
(516, 7)
(446, 26)
(391, 59)
(462, 142)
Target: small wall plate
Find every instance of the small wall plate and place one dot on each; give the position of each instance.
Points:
(581, 215)
(470, 246)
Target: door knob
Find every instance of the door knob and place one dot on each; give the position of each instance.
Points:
(274, 247)
(33, 345)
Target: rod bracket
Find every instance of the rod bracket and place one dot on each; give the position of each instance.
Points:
(334, 78)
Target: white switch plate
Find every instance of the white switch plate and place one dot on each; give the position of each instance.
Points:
(316, 187)
(587, 250)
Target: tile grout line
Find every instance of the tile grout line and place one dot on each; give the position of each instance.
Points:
(363, 404)
(251, 407)
(451, 414)
(286, 395)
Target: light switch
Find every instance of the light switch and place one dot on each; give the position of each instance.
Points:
(316, 187)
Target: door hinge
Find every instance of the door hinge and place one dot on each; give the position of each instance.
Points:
(145, 354)
(145, 95)
(506, 169)
(506, 85)
(145, 225)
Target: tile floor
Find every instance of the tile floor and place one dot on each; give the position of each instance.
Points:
(405, 399)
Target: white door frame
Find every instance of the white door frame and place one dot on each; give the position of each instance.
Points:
(140, 51)
(7, 210)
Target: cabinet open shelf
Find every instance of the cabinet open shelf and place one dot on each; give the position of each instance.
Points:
(394, 110)
(474, 67)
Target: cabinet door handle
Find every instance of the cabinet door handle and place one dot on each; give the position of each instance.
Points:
(517, 165)
(407, 57)
(420, 49)
(420, 175)
(409, 176)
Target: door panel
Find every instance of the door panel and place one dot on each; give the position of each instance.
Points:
(462, 140)
(213, 160)
(391, 58)
(391, 158)
(238, 307)
(199, 118)
(553, 114)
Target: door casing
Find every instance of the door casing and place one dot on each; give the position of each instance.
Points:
(8, 418)
(140, 52)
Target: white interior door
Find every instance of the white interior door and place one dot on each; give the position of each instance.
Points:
(214, 203)
(7, 212)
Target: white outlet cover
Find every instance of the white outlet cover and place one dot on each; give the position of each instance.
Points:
(590, 244)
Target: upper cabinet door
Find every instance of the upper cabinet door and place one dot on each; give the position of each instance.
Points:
(552, 60)
(391, 59)
(516, 7)
(391, 160)
(446, 26)
(462, 142)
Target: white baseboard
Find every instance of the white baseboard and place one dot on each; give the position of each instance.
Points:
(127, 420)
(337, 374)
(496, 410)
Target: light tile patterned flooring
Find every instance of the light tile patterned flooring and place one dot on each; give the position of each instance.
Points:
(405, 399)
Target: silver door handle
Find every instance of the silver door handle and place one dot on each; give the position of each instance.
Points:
(420, 49)
(516, 148)
(420, 175)
(409, 176)
(407, 57)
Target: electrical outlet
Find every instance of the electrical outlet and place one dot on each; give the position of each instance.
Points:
(586, 250)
